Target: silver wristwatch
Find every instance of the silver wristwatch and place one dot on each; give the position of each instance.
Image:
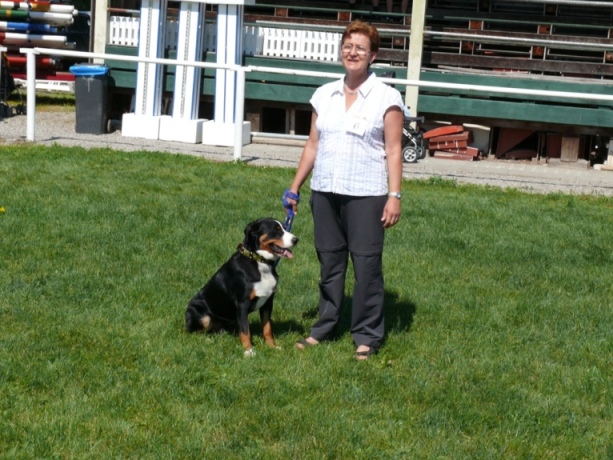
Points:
(395, 194)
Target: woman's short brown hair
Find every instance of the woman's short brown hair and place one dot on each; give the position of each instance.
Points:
(363, 28)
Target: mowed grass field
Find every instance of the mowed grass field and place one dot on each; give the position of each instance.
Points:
(499, 321)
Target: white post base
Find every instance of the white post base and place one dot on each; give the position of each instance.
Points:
(142, 126)
(609, 161)
(181, 129)
(223, 134)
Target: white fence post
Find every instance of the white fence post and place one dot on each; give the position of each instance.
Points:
(30, 91)
(239, 113)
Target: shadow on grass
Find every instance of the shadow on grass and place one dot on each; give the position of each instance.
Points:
(398, 314)
(279, 327)
(398, 317)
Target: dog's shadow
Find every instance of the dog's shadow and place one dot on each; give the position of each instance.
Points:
(399, 316)
(280, 327)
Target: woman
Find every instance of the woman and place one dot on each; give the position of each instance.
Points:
(354, 152)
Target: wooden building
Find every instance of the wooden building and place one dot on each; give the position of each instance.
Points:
(563, 45)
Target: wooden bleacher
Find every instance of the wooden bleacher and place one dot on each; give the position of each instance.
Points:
(521, 44)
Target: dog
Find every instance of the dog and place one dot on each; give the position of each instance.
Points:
(245, 283)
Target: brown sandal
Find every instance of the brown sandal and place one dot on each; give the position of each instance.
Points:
(365, 355)
(305, 344)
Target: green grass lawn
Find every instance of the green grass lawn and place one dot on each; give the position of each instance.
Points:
(46, 101)
(499, 321)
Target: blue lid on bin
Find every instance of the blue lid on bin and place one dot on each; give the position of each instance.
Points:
(88, 70)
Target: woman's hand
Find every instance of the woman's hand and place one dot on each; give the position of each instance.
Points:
(391, 212)
(290, 201)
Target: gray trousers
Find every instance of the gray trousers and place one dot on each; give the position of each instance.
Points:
(346, 225)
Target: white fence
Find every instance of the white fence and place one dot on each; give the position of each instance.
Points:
(299, 44)
(123, 31)
(258, 41)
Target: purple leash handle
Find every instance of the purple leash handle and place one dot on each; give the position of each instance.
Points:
(289, 210)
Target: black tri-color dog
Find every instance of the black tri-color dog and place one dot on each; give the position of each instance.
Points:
(244, 284)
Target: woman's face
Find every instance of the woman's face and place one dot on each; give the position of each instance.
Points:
(356, 54)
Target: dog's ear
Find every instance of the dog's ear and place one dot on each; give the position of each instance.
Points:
(251, 234)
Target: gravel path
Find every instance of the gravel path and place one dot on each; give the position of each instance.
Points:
(576, 178)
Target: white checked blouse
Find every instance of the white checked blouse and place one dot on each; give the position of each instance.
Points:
(350, 156)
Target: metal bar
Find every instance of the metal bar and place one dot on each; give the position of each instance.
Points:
(241, 72)
(521, 41)
(441, 85)
(118, 57)
(124, 10)
(585, 3)
(289, 137)
(384, 31)
(305, 73)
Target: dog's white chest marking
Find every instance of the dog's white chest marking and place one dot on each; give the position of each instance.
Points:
(266, 286)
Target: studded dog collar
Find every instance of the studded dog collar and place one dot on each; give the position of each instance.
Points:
(252, 255)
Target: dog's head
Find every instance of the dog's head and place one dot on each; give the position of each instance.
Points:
(268, 238)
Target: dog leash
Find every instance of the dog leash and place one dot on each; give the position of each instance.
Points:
(289, 210)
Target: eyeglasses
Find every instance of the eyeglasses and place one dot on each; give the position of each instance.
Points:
(346, 49)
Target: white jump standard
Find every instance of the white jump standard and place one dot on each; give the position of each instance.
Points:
(184, 126)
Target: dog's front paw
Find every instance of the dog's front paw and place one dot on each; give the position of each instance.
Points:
(250, 352)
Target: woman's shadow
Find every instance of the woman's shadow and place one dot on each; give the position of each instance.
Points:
(399, 316)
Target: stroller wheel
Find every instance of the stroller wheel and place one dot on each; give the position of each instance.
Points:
(409, 154)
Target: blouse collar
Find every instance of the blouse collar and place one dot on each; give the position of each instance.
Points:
(364, 88)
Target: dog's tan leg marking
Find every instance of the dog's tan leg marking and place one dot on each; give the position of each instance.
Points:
(245, 341)
(267, 328)
(267, 332)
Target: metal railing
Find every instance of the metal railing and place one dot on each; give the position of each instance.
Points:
(241, 74)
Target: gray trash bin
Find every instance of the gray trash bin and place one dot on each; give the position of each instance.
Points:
(91, 98)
